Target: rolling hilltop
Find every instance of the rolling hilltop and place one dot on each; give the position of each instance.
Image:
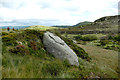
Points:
(38, 27)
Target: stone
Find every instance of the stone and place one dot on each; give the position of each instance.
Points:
(58, 48)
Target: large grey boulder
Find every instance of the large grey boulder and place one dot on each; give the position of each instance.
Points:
(57, 47)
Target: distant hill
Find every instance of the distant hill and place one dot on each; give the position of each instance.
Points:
(107, 21)
(82, 23)
(79, 24)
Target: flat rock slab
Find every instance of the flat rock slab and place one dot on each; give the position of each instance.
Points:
(57, 47)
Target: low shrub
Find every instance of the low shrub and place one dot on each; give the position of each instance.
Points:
(114, 37)
(110, 37)
(20, 49)
(4, 33)
(30, 32)
(81, 42)
(31, 37)
(104, 42)
(79, 37)
(97, 44)
(9, 39)
(86, 37)
(80, 52)
(108, 47)
(33, 45)
(36, 48)
(117, 37)
(112, 47)
(89, 38)
(110, 44)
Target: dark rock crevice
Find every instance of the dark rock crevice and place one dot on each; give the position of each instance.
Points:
(56, 41)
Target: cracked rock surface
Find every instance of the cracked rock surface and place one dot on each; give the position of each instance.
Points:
(57, 47)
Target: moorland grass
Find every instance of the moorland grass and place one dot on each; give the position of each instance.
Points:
(40, 64)
(105, 60)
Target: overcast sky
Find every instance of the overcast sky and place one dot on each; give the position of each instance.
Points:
(54, 12)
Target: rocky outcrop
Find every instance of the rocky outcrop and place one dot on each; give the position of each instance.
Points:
(57, 47)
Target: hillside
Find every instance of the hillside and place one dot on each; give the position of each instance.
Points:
(107, 24)
(25, 56)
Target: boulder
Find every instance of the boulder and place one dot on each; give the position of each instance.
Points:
(57, 47)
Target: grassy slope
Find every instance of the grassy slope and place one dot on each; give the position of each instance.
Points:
(106, 60)
(17, 66)
(102, 65)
